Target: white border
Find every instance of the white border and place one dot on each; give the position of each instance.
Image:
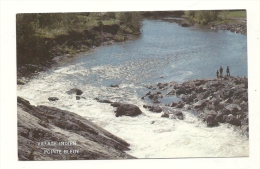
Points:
(8, 105)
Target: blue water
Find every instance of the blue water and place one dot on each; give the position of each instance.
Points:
(165, 49)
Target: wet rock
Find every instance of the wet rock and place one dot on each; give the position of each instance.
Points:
(20, 82)
(156, 109)
(211, 121)
(174, 104)
(178, 114)
(165, 115)
(200, 104)
(185, 25)
(180, 105)
(53, 98)
(74, 91)
(233, 108)
(232, 120)
(156, 101)
(114, 85)
(180, 91)
(115, 104)
(103, 101)
(128, 110)
(162, 85)
(147, 106)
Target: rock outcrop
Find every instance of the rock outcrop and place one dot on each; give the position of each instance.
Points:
(48, 133)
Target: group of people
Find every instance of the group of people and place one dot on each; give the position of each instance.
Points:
(220, 72)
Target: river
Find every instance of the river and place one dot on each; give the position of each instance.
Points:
(164, 52)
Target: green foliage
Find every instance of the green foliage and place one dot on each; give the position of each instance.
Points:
(229, 14)
(207, 16)
(130, 19)
(203, 17)
(36, 31)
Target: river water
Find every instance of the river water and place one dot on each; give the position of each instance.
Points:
(164, 49)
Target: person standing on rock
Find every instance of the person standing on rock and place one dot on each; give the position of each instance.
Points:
(217, 74)
(221, 71)
(228, 72)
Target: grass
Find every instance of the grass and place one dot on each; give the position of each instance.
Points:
(232, 14)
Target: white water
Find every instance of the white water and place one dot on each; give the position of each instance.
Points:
(138, 63)
(166, 138)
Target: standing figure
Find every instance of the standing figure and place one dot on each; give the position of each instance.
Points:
(228, 72)
(221, 71)
(217, 74)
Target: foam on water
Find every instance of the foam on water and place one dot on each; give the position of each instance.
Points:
(165, 138)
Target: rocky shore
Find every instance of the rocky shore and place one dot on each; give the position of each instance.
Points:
(215, 101)
(48, 133)
(236, 28)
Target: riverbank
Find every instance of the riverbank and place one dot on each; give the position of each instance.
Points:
(215, 101)
(48, 133)
(232, 20)
(41, 38)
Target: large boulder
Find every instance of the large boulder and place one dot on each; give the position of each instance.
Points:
(128, 110)
(74, 91)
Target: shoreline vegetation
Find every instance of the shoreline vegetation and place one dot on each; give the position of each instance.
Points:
(42, 37)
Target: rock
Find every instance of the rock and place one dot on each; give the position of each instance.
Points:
(128, 110)
(185, 25)
(180, 105)
(211, 121)
(178, 114)
(74, 91)
(104, 101)
(156, 101)
(174, 104)
(220, 118)
(162, 85)
(41, 123)
(232, 120)
(53, 98)
(200, 104)
(156, 109)
(233, 108)
(188, 98)
(114, 85)
(20, 83)
(77, 98)
(115, 104)
(180, 91)
(165, 115)
(147, 106)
